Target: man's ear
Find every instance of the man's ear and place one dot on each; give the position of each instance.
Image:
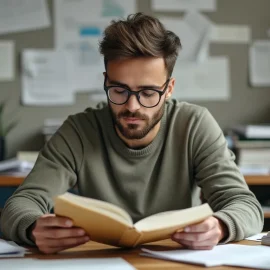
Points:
(170, 88)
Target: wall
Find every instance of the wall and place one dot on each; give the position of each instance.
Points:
(246, 105)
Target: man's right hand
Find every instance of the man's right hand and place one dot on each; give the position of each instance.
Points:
(53, 234)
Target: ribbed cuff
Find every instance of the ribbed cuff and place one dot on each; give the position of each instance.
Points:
(24, 224)
(230, 225)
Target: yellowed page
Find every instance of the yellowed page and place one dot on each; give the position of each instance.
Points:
(163, 225)
(101, 225)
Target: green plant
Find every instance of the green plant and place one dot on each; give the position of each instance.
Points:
(5, 128)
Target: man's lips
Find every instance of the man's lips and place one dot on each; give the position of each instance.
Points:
(132, 119)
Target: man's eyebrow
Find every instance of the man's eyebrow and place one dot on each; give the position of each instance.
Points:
(140, 86)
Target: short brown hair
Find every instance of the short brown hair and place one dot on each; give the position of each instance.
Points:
(140, 35)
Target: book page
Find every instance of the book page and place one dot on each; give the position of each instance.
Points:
(106, 208)
(173, 218)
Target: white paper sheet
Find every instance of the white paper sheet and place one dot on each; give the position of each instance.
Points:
(9, 250)
(259, 63)
(194, 31)
(256, 237)
(182, 5)
(67, 264)
(6, 60)
(78, 29)
(46, 78)
(24, 15)
(256, 257)
(231, 34)
(208, 80)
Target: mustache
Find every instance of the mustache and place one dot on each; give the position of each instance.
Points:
(132, 114)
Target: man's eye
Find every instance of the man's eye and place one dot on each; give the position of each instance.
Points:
(148, 93)
(118, 90)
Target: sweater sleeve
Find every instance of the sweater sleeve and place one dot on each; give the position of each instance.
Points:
(222, 184)
(55, 171)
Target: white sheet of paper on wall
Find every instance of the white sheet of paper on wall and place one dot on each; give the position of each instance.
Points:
(16, 16)
(231, 34)
(184, 5)
(6, 60)
(207, 81)
(194, 31)
(79, 26)
(259, 63)
(46, 78)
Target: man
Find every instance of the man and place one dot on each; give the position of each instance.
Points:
(142, 151)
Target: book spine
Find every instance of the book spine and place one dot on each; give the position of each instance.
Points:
(129, 238)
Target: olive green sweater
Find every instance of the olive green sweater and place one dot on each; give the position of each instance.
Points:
(188, 151)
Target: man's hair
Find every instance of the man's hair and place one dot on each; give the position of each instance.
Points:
(140, 35)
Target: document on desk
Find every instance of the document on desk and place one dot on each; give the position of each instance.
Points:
(256, 237)
(79, 26)
(259, 63)
(66, 264)
(256, 257)
(184, 5)
(46, 78)
(18, 16)
(7, 60)
(10, 250)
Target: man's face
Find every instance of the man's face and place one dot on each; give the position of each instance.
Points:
(133, 120)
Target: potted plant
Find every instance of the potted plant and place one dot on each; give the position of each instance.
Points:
(5, 128)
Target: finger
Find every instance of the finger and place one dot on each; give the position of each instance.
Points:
(53, 221)
(65, 242)
(197, 237)
(203, 226)
(58, 233)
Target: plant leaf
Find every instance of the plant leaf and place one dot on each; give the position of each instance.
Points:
(2, 105)
(10, 127)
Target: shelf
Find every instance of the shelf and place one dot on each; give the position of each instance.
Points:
(257, 179)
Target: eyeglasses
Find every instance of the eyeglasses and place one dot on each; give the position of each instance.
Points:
(148, 98)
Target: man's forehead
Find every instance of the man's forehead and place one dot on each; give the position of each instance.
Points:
(139, 71)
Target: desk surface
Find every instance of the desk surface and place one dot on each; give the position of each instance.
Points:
(10, 180)
(96, 250)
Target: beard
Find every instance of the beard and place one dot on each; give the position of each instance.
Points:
(136, 131)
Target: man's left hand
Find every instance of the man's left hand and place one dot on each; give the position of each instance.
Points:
(203, 235)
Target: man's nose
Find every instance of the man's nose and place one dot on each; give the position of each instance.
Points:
(133, 104)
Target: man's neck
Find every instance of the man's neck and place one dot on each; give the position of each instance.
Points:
(139, 144)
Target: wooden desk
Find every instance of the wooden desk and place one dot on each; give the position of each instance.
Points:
(96, 250)
(10, 180)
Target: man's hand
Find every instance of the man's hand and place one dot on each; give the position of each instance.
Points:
(204, 235)
(53, 234)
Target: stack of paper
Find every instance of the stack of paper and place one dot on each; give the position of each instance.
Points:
(9, 250)
(266, 239)
(256, 237)
(256, 257)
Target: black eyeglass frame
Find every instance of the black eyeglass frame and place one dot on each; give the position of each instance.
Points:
(136, 93)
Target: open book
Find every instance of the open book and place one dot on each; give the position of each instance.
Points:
(110, 224)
